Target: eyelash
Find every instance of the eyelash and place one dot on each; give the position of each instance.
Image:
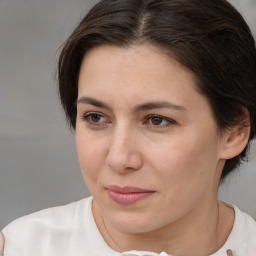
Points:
(168, 121)
(88, 118)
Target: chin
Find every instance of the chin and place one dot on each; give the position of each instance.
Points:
(133, 224)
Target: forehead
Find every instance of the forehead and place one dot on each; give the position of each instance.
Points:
(141, 72)
(142, 61)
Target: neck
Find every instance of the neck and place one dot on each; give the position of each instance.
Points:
(201, 232)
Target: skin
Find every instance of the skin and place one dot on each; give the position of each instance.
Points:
(178, 153)
(1, 243)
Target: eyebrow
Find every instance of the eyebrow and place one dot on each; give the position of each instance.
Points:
(94, 102)
(138, 108)
(158, 104)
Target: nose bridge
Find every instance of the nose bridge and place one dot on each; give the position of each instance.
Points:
(123, 153)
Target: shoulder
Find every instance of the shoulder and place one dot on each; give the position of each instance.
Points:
(44, 225)
(244, 233)
(58, 215)
(245, 222)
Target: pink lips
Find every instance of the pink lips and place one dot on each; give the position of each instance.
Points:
(127, 195)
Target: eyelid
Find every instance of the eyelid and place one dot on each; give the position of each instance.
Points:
(87, 115)
(165, 121)
(169, 121)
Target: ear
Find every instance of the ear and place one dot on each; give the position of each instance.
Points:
(236, 138)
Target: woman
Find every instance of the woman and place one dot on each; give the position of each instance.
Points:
(162, 97)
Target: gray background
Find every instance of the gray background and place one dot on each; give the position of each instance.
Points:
(38, 162)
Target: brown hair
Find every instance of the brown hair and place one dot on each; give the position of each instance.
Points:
(208, 37)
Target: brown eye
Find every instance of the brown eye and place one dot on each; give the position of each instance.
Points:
(95, 118)
(157, 120)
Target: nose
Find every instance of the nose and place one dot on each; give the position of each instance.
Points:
(123, 152)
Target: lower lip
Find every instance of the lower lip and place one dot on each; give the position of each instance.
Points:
(127, 198)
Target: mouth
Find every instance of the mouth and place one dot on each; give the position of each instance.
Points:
(127, 195)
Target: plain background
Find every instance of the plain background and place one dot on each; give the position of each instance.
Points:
(38, 162)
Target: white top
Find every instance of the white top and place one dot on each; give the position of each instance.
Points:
(70, 230)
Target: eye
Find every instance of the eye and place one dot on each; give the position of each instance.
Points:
(94, 118)
(159, 121)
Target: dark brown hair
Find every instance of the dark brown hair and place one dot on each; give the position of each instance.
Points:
(209, 37)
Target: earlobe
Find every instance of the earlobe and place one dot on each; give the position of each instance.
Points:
(235, 139)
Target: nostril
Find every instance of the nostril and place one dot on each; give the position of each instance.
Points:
(124, 161)
(124, 154)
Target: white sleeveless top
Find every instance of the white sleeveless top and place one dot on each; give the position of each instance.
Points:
(70, 230)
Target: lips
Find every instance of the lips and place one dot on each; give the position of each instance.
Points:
(127, 195)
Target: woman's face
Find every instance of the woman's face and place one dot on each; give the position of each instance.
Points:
(147, 140)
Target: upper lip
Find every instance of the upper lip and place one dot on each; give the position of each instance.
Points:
(128, 189)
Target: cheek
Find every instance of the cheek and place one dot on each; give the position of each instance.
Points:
(186, 162)
(185, 173)
(91, 156)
